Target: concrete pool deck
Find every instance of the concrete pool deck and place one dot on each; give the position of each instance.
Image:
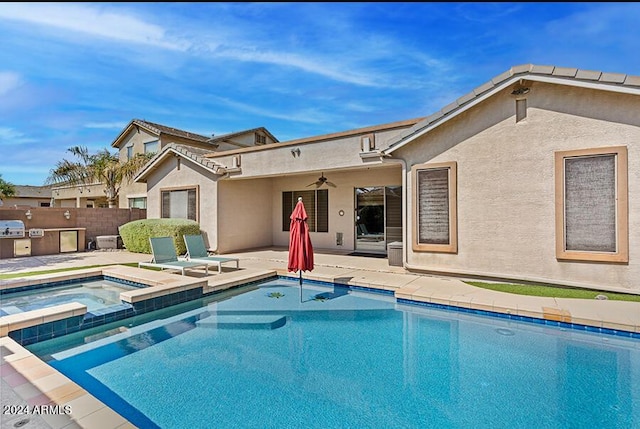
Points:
(28, 383)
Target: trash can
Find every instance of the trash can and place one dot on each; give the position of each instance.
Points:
(394, 253)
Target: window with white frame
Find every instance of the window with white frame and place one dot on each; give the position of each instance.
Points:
(435, 207)
(592, 205)
(316, 204)
(180, 203)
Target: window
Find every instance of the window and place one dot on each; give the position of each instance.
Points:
(151, 147)
(316, 203)
(129, 152)
(180, 203)
(138, 203)
(260, 139)
(592, 205)
(435, 202)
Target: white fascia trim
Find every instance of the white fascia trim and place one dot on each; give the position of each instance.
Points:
(536, 78)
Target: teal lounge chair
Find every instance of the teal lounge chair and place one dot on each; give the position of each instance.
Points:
(197, 252)
(166, 258)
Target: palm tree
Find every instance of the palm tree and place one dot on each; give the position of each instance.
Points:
(102, 167)
(6, 189)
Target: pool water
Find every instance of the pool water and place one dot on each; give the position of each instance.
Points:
(335, 358)
(95, 294)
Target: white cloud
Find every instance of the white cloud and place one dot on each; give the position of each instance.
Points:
(9, 136)
(318, 66)
(106, 125)
(307, 115)
(8, 82)
(123, 26)
(94, 21)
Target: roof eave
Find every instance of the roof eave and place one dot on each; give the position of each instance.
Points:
(159, 158)
(445, 117)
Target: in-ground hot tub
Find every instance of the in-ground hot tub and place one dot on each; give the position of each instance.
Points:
(95, 294)
(56, 305)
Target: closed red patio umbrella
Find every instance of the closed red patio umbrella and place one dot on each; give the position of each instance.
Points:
(300, 247)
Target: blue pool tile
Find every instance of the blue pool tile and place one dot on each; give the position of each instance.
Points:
(16, 335)
(60, 326)
(27, 341)
(45, 329)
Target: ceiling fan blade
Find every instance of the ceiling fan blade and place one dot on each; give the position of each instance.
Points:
(319, 183)
(333, 185)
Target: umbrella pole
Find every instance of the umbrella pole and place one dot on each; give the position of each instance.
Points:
(300, 271)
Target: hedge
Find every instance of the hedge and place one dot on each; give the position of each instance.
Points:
(135, 235)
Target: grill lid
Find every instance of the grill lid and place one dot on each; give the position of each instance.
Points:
(11, 229)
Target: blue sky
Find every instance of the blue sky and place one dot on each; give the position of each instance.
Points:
(77, 73)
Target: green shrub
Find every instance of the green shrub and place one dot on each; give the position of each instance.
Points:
(135, 235)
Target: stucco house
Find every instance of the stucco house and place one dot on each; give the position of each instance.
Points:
(141, 136)
(532, 176)
(29, 196)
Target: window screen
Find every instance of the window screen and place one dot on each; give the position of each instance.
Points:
(433, 206)
(180, 204)
(151, 147)
(590, 203)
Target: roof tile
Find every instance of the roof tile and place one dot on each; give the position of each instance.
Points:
(523, 68)
(449, 107)
(483, 88)
(565, 71)
(588, 74)
(632, 80)
(467, 97)
(542, 69)
(501, 77)
(172, 131)
(612, 77)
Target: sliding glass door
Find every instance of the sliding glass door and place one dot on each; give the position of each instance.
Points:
(378, 217)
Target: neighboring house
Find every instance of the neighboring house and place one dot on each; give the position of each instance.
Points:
(141, 136)
(83, 196)
(29, 196)
(532, 176)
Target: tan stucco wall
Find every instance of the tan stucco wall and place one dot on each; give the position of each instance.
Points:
(336, 154)
(167, 175)
(244, 214)
(506, 212)
(137, 139)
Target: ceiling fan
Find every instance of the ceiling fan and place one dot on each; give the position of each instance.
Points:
(321, 180)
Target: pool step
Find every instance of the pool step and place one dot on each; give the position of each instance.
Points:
(243, 321)
(10, 309)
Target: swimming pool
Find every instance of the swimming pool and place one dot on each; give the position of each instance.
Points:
(338, 358)
(95, 294)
